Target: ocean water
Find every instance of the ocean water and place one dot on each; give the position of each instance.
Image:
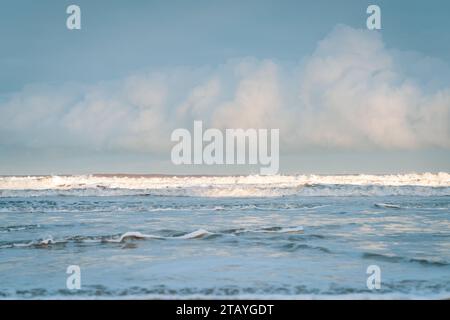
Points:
(225, 237)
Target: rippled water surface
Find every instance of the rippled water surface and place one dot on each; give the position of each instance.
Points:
(304, 242)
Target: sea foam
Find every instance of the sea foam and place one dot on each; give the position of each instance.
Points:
(228, 186)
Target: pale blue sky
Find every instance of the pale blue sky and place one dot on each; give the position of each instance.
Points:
(118, 37)
(122, 38)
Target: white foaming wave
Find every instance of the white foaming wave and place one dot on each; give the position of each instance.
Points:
(133, 235)
(239, 192)
(298, 229)
(194, 235)
(387, 205)
(130, 235)
(37, 243)
(227, 186)
(136, 235)
(46, 242)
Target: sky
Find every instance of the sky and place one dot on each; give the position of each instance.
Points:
(106, 98)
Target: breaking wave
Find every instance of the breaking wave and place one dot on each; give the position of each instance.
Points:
(136, 235)
(426, 184)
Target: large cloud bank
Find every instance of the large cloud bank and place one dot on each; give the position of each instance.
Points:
(350, 93)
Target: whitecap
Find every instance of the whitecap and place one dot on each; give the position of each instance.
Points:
(133, 235)
(387, 205)
(194, 235)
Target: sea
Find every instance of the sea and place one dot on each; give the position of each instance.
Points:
(225, 237)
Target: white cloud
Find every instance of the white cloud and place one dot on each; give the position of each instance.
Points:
(351, 93)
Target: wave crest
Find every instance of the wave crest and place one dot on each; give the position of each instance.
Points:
(228, 186)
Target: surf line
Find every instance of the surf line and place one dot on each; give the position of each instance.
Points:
(241, 146)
